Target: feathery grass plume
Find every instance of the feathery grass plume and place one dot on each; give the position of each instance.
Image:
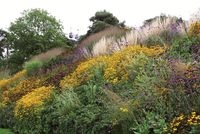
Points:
(195, 17)
(132, 37)
(52, 53)
(107, 45)
(101, 47)
(108, 32)
(157, 31)
(157, 25)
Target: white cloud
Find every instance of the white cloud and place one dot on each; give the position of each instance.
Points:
(76, 13)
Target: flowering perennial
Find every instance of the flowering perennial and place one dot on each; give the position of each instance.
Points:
(6, 82)
(32, 102)
(194, 29)
(22, 88)
(115, 66)
(183, 121)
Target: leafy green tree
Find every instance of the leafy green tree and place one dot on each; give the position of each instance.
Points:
(104, 16)
(3, 43)
(103, 19)
(35, 32)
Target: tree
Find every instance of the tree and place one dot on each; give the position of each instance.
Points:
(35, 32)
(101, 20)
(3, 43)
(104, 16)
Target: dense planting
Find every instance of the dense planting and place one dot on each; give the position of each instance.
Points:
(138, 89)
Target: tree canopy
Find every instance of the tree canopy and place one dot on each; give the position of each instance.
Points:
(35, 32)
(103, 19)
(3, 42)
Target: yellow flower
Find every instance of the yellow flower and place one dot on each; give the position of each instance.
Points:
(184, 121)
(174, 129)
(165, 129)
(7, 82)
(32, 102)
(125, 110)
(194, 29)
(115, 66)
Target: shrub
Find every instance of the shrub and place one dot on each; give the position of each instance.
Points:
(163, 38)
(32, 101)
(6, 83)
(154, 40)
(33, 66)
(186, 79)
(7, 116)
(76, 111)
(149, 78)
(81, 74)
(66, 102)
(185, 124)
(22, 88)
(151, 123)
(182, 48)
(10, 96)
(29, 109)
(184, 84)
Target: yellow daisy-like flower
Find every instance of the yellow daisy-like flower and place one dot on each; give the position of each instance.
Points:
(32, 102)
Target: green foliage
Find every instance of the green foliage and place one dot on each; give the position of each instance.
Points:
(7, 116)
(3, 42)
(35, 32)
(66, 102)
(104, 16)
(66, 113)
(154, 40)
(15, 62)
(33, 66)
(152, 123)
(83, 120)
(23, 126)
(5, 131)
(4, 73)
(3, 64)
(165, 37)
(102, 20)
(145, 101)
(150, 82)
(98, 26)
(182, 48)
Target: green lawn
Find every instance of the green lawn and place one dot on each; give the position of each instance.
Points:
(5, 131)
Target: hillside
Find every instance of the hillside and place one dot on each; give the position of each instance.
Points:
(116, 81)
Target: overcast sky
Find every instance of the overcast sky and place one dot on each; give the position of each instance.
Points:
(75, 14)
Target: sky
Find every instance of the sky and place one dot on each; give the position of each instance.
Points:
(75, 14)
